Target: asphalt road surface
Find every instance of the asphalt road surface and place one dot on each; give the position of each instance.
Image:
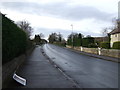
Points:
(85, 71)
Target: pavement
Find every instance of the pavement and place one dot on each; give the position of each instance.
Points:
(84, 70)
(40, 73)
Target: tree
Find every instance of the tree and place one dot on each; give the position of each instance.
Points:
(57, 39)
(105, 32)
(37, 39)
(88, 36)
(77, 39)
(53, 37)
(25, 26)
(41, 35)
(60, 37)
(87, 41)
(69, 39)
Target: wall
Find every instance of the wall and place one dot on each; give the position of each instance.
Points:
(9, 68)
(105, 52)
(111, 52)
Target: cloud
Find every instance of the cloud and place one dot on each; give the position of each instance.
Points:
(62, 10)
(58, 16)
(64, 33)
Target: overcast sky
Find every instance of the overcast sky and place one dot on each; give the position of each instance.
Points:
(88, 17)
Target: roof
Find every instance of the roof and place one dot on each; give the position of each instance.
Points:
(115, 31)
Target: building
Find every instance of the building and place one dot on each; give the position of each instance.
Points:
(114, 36)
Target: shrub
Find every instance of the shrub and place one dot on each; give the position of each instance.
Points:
(116, 45)
(14, 40)
(105, 45)
(87, 41)
(60, 44)
(92, 45)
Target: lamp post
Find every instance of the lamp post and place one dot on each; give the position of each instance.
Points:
(72, 34)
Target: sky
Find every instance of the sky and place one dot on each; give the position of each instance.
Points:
(88, 17)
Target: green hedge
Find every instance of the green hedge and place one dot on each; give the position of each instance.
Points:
(116, 45)
(14, 40)
(60, 44)
(92, 45)
(105, 45)
(86, 42)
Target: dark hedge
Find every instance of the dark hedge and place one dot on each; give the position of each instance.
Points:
(14, 40)
(116, 45)
(105, 45)
(88, 42)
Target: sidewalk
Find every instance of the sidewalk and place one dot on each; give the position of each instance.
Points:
(96, 56)
(39, 73)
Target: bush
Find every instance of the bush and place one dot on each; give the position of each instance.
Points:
(14, 40)
(116, 45)
(105, 45)
(92, 45)
(87, 41)
(60, 44)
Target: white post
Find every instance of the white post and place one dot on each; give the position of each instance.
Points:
(99, 51)
(81, 48)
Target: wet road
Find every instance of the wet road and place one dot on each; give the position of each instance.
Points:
(86, 71)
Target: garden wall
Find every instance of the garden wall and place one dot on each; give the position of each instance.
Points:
(105, 52)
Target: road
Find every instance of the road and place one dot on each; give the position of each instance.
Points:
(85, 71)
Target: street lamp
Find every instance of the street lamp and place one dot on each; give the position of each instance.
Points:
(72, 33)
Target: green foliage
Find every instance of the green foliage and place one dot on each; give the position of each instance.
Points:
(29, 44)
(69, 41)
(14, 40)
(37, 39)
(57, 39)
(88, 42)
(53, 38)
(92, 45)
(105, 45)
(60, 44)
(77, 39)
(116, 45)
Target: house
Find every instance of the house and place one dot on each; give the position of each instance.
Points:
(114, 36)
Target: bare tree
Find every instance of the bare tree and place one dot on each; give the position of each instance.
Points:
(41, 35)
(105, 32)
(25, 26)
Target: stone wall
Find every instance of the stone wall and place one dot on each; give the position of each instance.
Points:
(89, 50)
(9, 68)
(105, 52)
(111, 52)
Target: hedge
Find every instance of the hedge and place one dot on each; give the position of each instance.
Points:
(116, 45)
(86, 42)
(105, 45)
(14, 40)
(92, 45)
